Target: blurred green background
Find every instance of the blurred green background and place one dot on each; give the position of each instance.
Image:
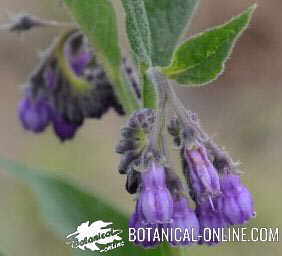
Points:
(242, 110)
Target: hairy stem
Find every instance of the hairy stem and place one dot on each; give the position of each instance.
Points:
(188, 119)
(156, 139)
(126, 94)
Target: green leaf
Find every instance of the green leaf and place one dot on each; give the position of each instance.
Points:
(167, 20)
(97, 19)
(138, 30)
(154, 27)
(149, 94)
(201, 59)
(65, 206)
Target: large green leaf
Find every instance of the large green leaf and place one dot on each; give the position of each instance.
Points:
(167, 20)
(65, 207)
(97, 19)
(201, 59)
(154, 27)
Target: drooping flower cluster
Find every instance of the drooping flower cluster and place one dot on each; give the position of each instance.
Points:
(68, 87)
(221, 200)
(233, 206)
(134, 139)
(158, 208)
(154, 206)
(215, 186)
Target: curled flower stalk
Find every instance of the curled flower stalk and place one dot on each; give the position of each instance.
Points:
(212, 177)
(68, 87)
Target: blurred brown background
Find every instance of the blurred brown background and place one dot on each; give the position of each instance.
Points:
(243, 110)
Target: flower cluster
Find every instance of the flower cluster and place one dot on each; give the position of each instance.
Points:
(134, 139)
(221, 199)
(214, 185)
(68, 87)
(157, 207)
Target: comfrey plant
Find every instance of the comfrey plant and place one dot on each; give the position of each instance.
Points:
(83, 74)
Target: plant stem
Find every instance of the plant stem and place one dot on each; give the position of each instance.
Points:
(125, 94)
(79, 84)
(187, 120)
(156, 139)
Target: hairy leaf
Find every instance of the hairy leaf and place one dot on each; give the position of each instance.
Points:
(167, 20)
(154, 27)
(201, 59)
(138, 30)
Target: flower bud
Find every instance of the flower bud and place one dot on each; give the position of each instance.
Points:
(64, 129)
(134, 139)
(34, 114)
(126, 145)
(127, 160)
(133, 181)
(200, 172)
(24, 22)
(80, 62)
(174, 129)
(236, 201)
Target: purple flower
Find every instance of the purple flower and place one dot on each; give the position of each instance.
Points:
(79, 62)
(64, 130)
(155, 199)
(138, 221)
(210, 217)
(200, 172)
(233, 206)
(154, 207)
(183, 220)
(236, 203)
(34, 114)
